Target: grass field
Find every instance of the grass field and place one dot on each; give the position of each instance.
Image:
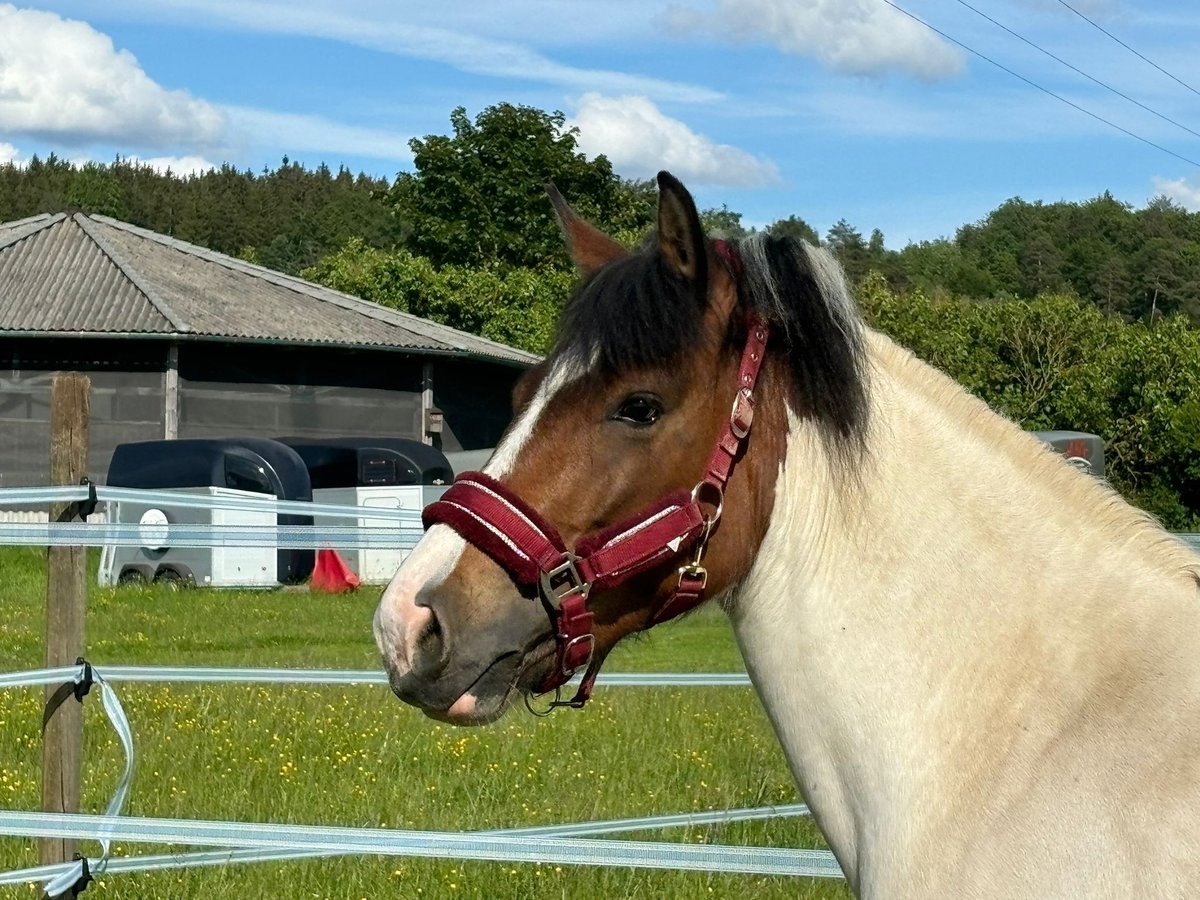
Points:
(355, 756)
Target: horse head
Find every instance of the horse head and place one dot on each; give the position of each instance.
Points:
(633, 405)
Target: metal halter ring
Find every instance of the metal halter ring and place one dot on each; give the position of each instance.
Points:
(551, 705)
(718, 504)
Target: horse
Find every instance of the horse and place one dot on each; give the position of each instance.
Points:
(982, 665)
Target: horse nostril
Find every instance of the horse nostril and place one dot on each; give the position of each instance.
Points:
(430, 648)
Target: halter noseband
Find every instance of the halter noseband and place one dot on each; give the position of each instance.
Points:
(513, 534)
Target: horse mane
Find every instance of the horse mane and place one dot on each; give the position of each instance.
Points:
(1094, 500)
(816, 327)
(635, 313)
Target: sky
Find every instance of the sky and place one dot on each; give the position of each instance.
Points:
(823, 109)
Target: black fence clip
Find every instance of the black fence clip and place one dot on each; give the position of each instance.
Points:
(85, 508)
(84, 684)
(85, 878)
(77, 689)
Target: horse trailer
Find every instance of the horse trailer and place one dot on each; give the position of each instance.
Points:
(233, 467)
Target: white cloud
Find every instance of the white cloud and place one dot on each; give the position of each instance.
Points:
(854, 37)
(9, 154)
(178, 165)
(391, 29)
(639, 139)
(63, 80)
(1185, 193)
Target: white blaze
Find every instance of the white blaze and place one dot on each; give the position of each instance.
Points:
(399, 620)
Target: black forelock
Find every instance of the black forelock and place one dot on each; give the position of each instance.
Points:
(633, 313)
(636, 313)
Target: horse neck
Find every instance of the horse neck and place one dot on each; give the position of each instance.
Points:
(885, 625)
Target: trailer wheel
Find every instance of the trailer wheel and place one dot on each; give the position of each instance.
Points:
(132, 577)
(173, 578)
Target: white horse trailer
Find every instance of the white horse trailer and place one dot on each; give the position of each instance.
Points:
(215, 468)
(157, 560)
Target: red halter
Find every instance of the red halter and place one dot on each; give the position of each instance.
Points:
(529, 548)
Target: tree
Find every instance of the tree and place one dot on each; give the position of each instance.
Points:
(794, 226)
(723, 222)
(634, 211)
(848, 246)
(1041, 265)
(477, 197)
(515, 305)
(95, 189)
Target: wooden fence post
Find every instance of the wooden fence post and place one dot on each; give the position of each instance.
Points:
(66, 598)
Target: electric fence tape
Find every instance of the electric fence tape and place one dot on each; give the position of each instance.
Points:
(70, 874)
(65, 876)
(41, 496)
(196, 859)
(495, 847)
(202, 674)
(284, 537)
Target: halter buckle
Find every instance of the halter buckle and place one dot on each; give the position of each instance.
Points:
(564, 580)
(693, 570)
(741, 415)
(569, 671)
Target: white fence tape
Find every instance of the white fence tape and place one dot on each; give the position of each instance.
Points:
(302, 537)
(497, 847)
(195, 859)
(63, 877)
(203, 674)
(40, 496)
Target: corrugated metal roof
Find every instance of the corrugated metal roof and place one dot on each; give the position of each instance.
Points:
(85, 274)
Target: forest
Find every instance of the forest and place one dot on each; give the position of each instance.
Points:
(1060, 314)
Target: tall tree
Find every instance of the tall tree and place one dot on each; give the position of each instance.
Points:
(848, 246)
(477, 196)
(794, 226)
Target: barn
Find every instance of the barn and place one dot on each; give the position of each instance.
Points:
(182, 342)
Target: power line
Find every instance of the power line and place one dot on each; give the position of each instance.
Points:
(1078, 71)
(1127, 47)
(1044, 90)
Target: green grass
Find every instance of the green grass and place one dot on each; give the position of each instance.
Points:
(355, 756)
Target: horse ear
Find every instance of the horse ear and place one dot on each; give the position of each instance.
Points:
(680, 237)
(590, 248)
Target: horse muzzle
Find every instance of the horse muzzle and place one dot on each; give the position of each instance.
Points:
(454, 672)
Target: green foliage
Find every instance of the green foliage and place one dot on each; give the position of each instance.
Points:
(95, 189)
(723, 222)
(794, 226)
(1140, 264)
(514, 305)
(477, 197)
(942, 267)
(1057, 362)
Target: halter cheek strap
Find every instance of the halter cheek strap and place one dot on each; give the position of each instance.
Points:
(515, 537)
(509, 531)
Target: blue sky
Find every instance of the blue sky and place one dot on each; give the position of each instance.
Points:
(825, 109)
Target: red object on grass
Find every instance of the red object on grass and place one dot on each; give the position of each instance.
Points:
(333, 574)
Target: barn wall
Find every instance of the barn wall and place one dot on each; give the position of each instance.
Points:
(126, 402)
(301, 392)
(239, 390)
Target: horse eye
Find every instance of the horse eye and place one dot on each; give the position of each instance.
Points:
(639, 409)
